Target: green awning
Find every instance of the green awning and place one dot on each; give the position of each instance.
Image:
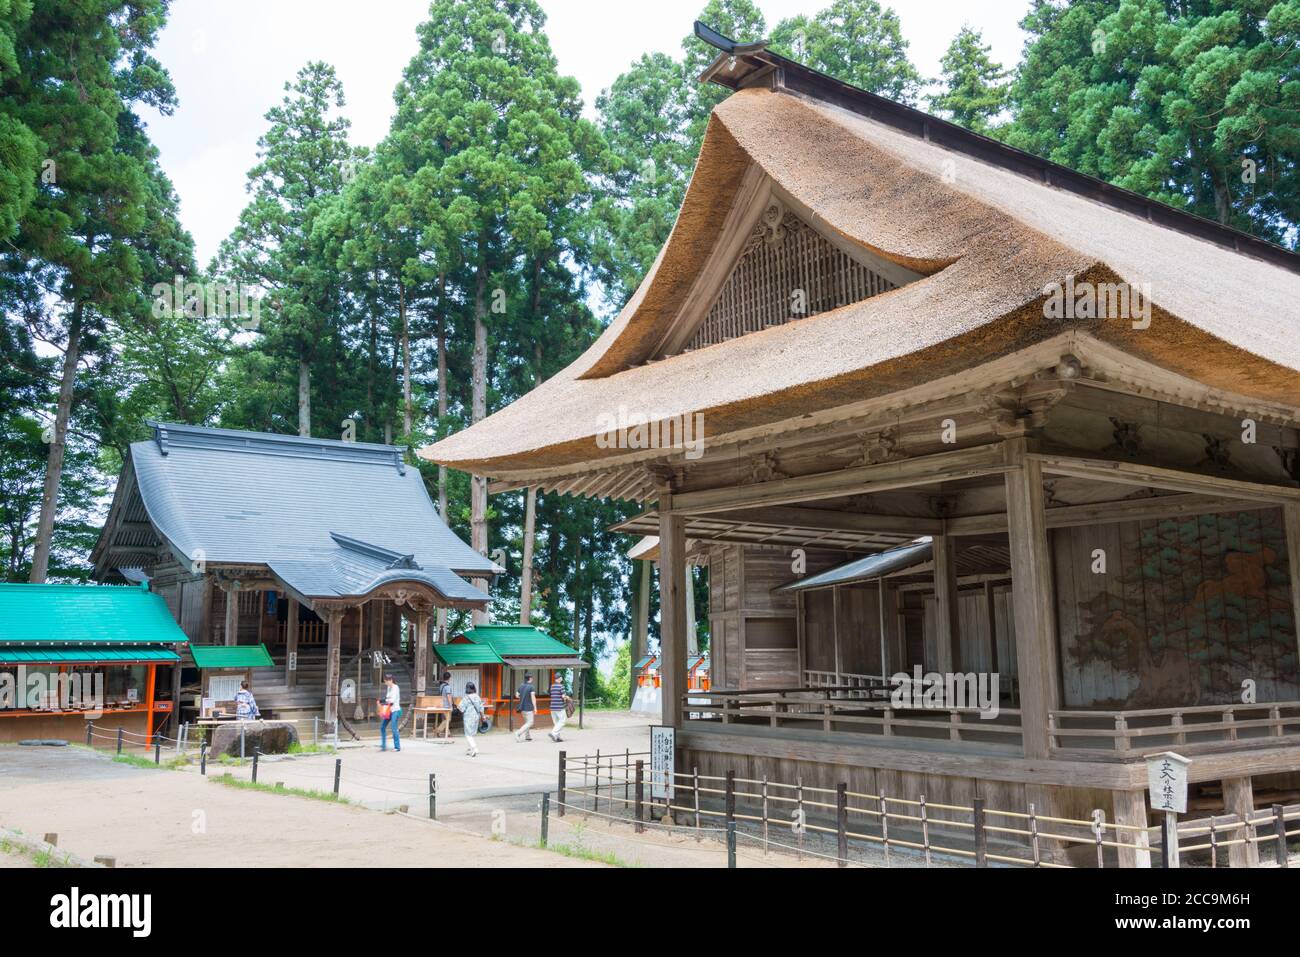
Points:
(63, 655)
(515, 641)
(71, 615)
(466, 654)
(231, 656)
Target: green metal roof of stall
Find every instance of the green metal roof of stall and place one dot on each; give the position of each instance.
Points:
(50, 654)
(231, 656)
(495, 644)
(465, 653)
(85, 615)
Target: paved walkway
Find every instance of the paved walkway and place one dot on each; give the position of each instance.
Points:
(146, 817)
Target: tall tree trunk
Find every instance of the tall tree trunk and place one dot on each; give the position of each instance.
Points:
(442, 386)
(478, 412)
(442, 411)
(530, 506)
(406, 359)
(372, 412)
(526, 576)
(304, 396)
(58, 446)
(589, 653)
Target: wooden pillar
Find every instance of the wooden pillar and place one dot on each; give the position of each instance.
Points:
(835, 630)
(1239, 799)
(1130, 808)
(150, 683)
(800, 639)
(232, 614)
(1291, 526)
(947, 639)
(175, 728)
(291, 643)
(991, 616)
(421, 624)
(334, 648)
(1031, 598)
(672, 610)
(692, 638)
(205, 615)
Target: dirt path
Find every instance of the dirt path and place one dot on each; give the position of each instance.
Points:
(151, 818)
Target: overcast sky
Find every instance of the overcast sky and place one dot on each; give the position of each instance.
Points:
(230, 60)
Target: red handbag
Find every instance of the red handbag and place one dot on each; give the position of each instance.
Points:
(385, 711)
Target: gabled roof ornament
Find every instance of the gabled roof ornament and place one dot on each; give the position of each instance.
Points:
(160, 436)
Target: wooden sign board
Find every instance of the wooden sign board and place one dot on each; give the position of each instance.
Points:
(663, 752)
(1167, 782)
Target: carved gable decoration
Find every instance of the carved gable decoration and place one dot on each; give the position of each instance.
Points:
(786, 271)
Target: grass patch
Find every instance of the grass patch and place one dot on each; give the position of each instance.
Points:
(585, 854)
(136, 761)
(39, 858)
(231, 781)
(297, 747)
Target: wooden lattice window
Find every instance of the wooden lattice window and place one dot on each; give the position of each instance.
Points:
(787, 271)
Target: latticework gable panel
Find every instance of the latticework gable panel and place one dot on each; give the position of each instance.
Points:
(786, 264)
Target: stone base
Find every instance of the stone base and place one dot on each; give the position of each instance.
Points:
(269, 737)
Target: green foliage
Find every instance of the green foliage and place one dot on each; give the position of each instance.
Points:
(1194, 104)
(972, 88)
(857, 41)
(618, 689)
(304, 161)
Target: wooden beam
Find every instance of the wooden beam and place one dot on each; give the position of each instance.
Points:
(672, 610)
(946, 633)
(978, 461)
(835, 631)
(1131, 473)
(826, 519)
(334, 622)
(1239, 799)
(421, 650)
(1031, 597)
(291, 643)
(232, 614)
(1130, 808)
(1105, 513)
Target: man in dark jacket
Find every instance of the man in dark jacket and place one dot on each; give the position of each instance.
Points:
(527, 707)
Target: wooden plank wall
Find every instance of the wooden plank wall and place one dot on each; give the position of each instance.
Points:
(1185, 611)
(973, 630)
(755, 636)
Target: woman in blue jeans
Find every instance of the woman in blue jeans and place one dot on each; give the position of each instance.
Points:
(393, 699)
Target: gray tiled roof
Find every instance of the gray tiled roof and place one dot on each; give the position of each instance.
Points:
(328, 517)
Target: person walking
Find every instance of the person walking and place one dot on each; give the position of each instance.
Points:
(471, 707)
(527, 706)
(444, 689)
(559, 707)
(390, 712)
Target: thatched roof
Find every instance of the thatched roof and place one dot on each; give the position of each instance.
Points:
(987, 240)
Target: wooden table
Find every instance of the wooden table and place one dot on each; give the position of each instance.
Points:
(425, 710)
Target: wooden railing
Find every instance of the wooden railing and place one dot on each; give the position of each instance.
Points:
(814, 678)
(866, 828)
(852, 710)
(1205, 727)
(309, 633)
